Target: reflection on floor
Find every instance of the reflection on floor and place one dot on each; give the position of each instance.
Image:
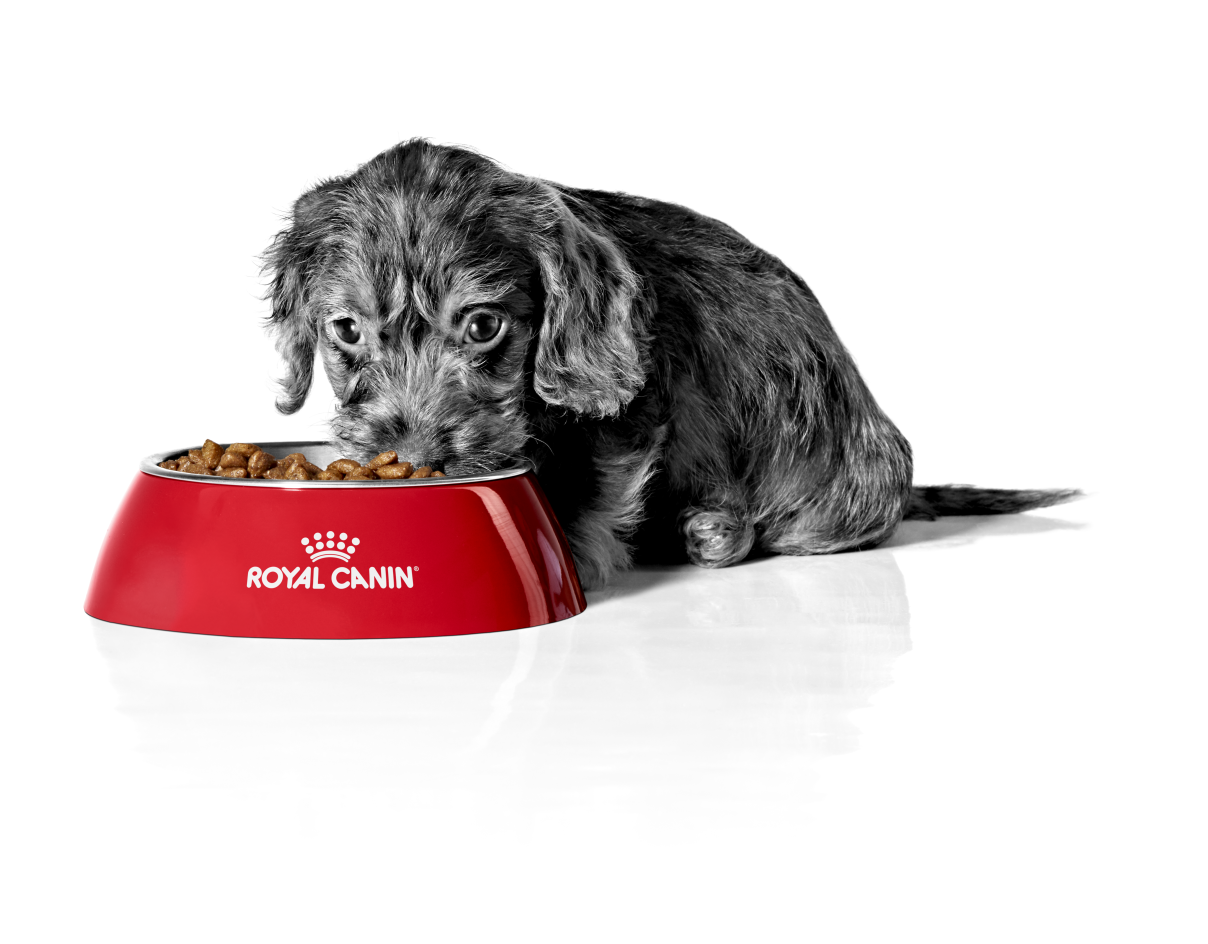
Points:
(782, 750)
(676, 685)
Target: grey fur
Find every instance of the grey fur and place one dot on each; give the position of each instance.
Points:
(679, 390)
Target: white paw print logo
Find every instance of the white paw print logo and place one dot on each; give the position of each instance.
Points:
(331, 545)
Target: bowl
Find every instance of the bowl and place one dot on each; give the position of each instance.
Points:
(333, 560)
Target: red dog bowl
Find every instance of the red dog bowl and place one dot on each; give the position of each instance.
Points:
(333, 560)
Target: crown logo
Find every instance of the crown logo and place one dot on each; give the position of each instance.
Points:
(330, 546)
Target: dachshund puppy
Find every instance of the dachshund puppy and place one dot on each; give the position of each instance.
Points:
(679, 390)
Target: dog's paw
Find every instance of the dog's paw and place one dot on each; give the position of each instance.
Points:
(716, 537)
(599, 554)
(592, 574)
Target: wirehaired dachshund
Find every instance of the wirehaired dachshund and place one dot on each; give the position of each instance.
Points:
(679, 391)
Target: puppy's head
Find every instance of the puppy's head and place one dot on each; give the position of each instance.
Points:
(449, 300)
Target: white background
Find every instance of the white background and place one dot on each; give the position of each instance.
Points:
(1002, 210)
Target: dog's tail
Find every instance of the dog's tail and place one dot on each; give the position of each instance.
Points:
(928, 502)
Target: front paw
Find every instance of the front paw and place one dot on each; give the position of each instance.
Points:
(598, 555)
(716, 537)
(591, 575)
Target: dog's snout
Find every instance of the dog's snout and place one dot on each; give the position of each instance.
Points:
(434, 406)
(419, 451)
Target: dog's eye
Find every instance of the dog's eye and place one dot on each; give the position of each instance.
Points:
(347, 330)
(483, 326)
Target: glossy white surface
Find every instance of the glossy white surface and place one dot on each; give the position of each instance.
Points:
(991, 724)
(990, 730)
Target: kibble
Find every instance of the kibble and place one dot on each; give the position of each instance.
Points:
(259, 463)
(289, 460)
(211, 452)
(397, 470)
(384, 459)
(249, 461)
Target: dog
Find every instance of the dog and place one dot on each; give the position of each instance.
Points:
(680, 392)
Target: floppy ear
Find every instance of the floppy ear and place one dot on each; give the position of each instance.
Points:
(591, 349)
(287, 261)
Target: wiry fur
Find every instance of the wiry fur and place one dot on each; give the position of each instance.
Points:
(928, 502)
(679, 390)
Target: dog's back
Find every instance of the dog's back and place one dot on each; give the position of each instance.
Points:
(771, 431)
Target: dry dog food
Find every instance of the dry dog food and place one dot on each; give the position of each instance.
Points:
(249, 461)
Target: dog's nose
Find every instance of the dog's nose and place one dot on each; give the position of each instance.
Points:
(419, 453)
